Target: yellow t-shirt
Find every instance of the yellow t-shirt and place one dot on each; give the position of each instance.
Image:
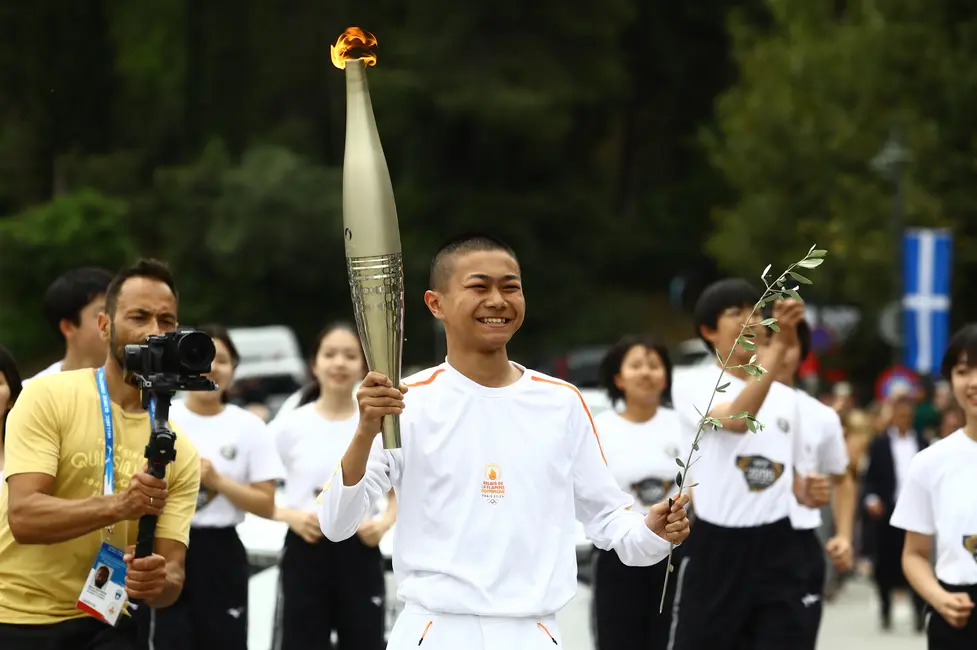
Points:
(55, 428)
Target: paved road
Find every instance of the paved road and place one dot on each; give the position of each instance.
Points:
(850, 623)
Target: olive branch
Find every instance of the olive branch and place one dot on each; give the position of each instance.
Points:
(776, 290)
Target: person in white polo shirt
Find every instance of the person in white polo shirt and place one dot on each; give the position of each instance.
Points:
(741, 583)
(239, 468)
(641, 442)
(937, 507)
(826, 452)
(497, 462)
(327, 586)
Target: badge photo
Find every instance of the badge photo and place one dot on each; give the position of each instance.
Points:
(104, 594)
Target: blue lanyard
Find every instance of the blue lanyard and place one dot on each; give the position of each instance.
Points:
(108, 480)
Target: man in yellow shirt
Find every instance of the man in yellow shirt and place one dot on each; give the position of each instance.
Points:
(69, 507)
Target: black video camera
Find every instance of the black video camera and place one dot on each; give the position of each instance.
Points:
(163, 365)
(175, 361)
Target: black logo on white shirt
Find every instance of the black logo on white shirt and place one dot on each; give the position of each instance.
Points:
(651, 490)
(229, 452)
(759, 472)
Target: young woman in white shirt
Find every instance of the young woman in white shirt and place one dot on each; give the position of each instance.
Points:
(640, 442)
(239, 468)
(327, 586)
(939, 500)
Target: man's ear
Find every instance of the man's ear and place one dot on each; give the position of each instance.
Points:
(67, 328)
(433, 301)
(104, 326)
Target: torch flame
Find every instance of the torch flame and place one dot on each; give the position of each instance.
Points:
(353, 38)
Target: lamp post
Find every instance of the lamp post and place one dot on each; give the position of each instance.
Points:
(890, 162)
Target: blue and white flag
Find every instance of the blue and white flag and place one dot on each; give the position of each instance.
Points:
(926, 271)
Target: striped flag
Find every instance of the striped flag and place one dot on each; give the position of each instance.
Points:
(926, 270)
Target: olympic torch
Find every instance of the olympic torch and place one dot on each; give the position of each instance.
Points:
(373, 257)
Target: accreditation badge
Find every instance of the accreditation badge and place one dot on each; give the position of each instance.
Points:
(104, 594)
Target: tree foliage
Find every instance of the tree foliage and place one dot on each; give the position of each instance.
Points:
(821, 89)
(212, 135)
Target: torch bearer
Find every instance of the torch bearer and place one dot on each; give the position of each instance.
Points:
(370, 229)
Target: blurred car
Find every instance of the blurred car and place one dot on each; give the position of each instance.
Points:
(578, 366)
(271, 366)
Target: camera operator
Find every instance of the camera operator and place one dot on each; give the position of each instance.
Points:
(77, 485)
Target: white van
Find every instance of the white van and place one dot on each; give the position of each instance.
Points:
(272, 366)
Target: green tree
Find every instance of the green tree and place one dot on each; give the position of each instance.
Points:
(254, 241)
(820, 90)
(39, 244)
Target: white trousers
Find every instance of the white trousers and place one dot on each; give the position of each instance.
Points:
(419, 629)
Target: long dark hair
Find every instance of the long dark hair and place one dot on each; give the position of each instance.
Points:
(313, 390)
(610, 366)
(8, 368)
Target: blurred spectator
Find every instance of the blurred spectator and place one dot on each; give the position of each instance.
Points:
(327, 586)
(71, 307)
(10, 387)
(843, 399)
(640, 444)
(890, 455)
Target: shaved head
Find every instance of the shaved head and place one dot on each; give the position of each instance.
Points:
(441, 264)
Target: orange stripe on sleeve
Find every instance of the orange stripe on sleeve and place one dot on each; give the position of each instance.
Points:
(429, 380)
(583, 402)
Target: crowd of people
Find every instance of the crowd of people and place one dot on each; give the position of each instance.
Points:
(789, 495)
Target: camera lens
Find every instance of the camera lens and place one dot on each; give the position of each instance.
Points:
(132, 356)
(197, 351)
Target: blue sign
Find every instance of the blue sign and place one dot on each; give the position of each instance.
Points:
(926, 269)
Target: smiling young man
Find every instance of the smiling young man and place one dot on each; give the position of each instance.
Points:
(497, 462)
(740, 583)
(76, 489)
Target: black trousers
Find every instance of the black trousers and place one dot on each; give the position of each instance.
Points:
(815, 567)
(212, 611)
(78, 634)
(330, 586)
(939, 634)
(626, 602)
(739, 589)
(888, 574)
